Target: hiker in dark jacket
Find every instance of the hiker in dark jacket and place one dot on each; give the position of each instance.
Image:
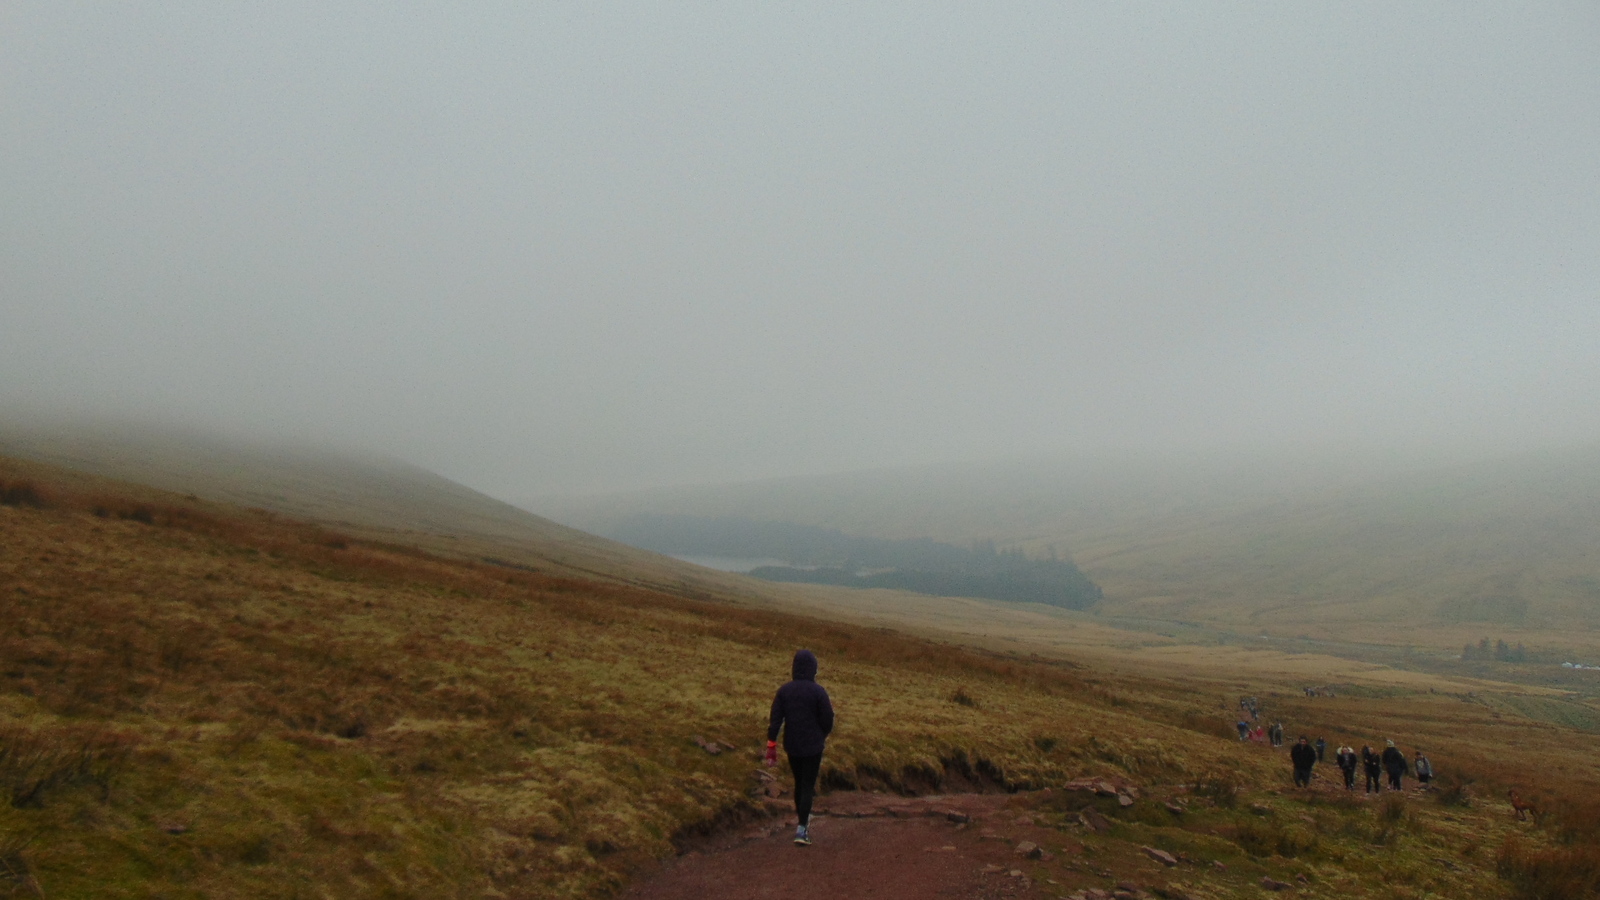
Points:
(1347, 761)
(1303, 756)
(1373, 766)
(1322, 749)
(1394, 763)
(804, 713)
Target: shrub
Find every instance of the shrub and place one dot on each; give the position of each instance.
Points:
(1557, 873)
(34, 762)
(963, 698)
(1221, 788)
(21, 493)
(1452, 790)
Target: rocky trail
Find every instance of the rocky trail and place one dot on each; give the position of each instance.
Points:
(869, 844)
(977, 846)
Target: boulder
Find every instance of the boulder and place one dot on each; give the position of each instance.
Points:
(1160, 856)
(1094, 821)
(1029, 850)
(1273, 884)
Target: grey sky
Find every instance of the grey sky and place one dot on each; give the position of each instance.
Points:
(542, 247)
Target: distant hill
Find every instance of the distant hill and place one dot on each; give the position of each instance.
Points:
(368, 496)
(1326, 547)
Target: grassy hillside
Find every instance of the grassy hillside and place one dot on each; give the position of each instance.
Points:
(199, 700)
(1505, 547)
(383, 499)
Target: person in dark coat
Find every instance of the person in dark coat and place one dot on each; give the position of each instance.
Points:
(805, 714)
(1347, 762)
(1322, 749)
(1244, 729)
(1394, 763)
(1303, 756)
(1373, 767)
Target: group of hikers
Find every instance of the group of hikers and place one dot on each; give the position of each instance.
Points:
(1304, 755)
(1391, 762)
(803, 712)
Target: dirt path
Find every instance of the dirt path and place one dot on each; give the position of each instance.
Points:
(961, 846)
(872, 845)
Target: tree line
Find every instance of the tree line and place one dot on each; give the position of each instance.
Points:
(828, 556)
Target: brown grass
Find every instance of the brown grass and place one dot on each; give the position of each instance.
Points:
(203, 701)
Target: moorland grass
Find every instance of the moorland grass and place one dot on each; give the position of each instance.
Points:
(198, 701)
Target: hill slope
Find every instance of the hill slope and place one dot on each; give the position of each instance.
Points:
(202, 701)
(381, 498)
(1506, 545)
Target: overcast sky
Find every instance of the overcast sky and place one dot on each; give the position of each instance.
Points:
(542, 247)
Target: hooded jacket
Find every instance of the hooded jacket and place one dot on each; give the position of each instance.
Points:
(1394, 762)
(1304, 756)
(802, 710)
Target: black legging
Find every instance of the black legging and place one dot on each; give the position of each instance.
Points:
(1349, 778)
(1373, 784)
(1394, 780)
(805, 769)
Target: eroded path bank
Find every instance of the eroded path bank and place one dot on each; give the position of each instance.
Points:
(1102, 841)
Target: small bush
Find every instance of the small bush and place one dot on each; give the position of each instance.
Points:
(1578, 819)
(1558, 873)
(1221, 788)
(34, 762)
(1452, 790)
(1393, 809)
(962, 698)
(21, 493)
(1044, 743)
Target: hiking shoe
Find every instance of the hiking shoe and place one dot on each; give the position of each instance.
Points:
(802, 836)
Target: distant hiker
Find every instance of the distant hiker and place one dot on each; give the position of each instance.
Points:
(1277, 734)
(1373, 766)
(1244, 729)
(1347, 762)
(1394, 763)
(1303, 756)
(802, 709)
(1424, 770)
(1258, 735)
(1322, 749)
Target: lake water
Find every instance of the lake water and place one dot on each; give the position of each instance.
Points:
(739, 564)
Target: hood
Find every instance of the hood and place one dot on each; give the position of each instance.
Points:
(805, 666)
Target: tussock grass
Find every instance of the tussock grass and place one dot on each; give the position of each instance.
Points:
(203, 701)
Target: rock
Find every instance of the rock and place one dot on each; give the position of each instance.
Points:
(1128, 886)
(958, 817)
(1131, 791)
(1124, 800)
(991, 869)
(1105, 789)
(175, 828)
(1160, 856)
(1029, 849)
(1273, 884)
(1261, 809)
(1219, 865)
(774, 790)
(713, 748)
(763, 775)
(1094, 821)
(1015, 873)
(1174, 808)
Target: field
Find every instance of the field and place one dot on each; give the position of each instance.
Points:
(199, 700)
